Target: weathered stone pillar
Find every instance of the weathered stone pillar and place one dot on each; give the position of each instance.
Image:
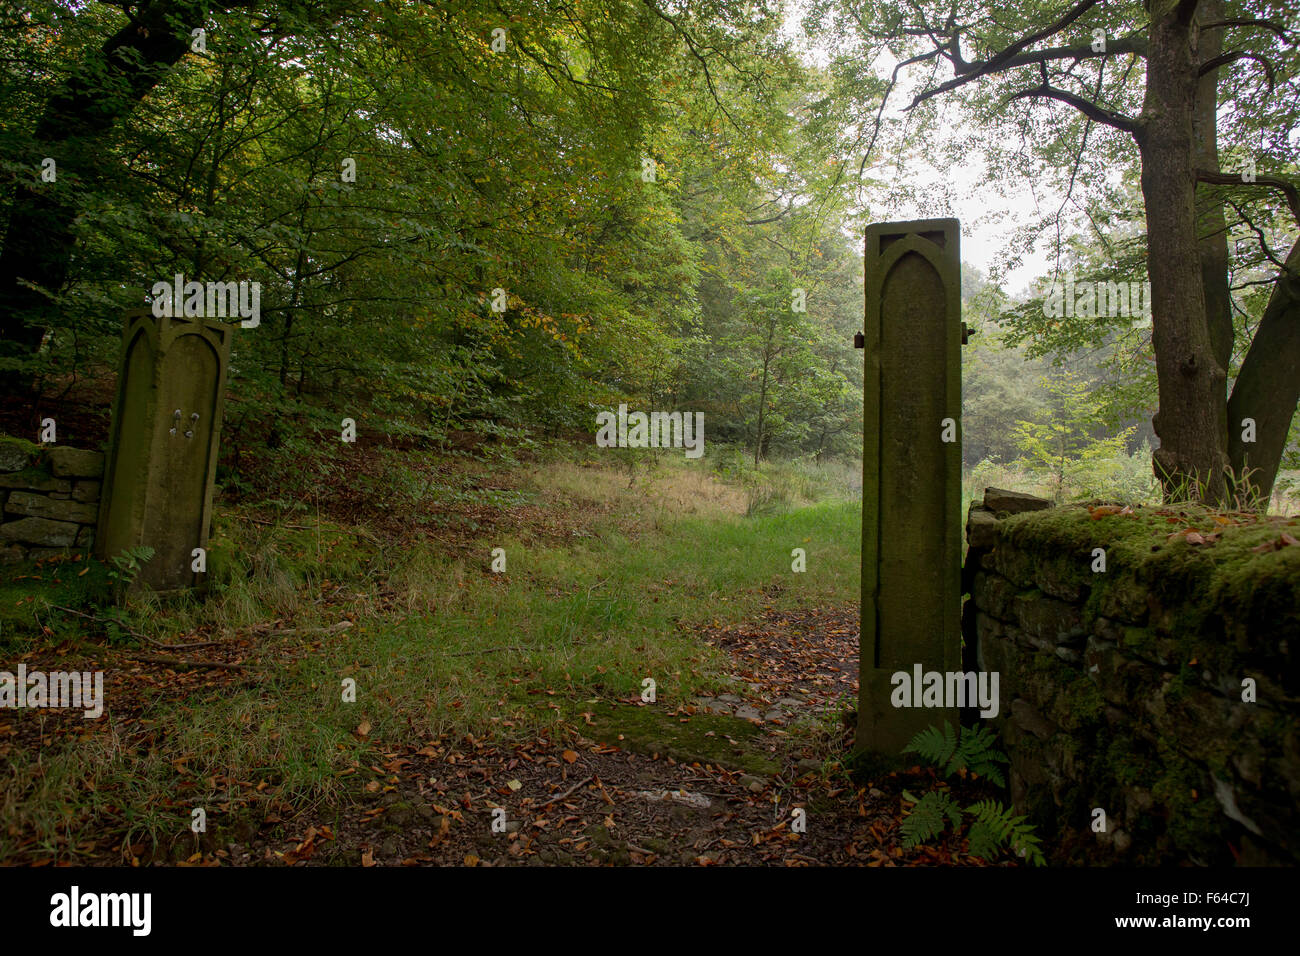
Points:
(162, 454)
(911, 482)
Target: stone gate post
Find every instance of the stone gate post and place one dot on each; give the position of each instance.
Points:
(162, 456)
(911, 483)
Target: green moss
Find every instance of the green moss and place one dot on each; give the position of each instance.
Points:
(1185, 817)
(1064, 693)
(1203, 594)
(1140, 640)
(30, 589)
(1177, 688)
(1193, 824)
(31, 449)
(708, 738)
(1127, 767)
(33, 476)
(1086, 703)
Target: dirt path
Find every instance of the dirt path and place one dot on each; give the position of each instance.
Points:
(588, 801)
(727, 780)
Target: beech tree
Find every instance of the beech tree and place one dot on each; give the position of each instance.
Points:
(1183, 85)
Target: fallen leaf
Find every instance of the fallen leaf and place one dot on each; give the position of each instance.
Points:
(569, 756)
(1101, 511)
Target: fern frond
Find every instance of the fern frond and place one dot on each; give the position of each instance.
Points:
(927, 819)
(984, 841)
(1025, 844)
(979, 755)
(974, 750)
(995, 827)
(934, 745)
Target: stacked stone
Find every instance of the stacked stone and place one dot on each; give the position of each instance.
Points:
(49, 499)
(1104, 707)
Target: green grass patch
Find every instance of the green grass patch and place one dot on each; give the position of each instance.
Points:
(438, 645)
(718, 739)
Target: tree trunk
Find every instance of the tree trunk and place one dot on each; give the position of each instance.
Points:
(1267, 390)
(1213, 246)
(1192, 420)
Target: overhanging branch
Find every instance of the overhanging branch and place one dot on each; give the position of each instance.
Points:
(1015, 55)
(1224, 59)
(1285, 186)
(1279, 29)
(1084, 106)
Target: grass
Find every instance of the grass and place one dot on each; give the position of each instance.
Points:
(612, 593)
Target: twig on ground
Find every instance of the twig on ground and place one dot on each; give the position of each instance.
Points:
(332, 629)
(503, 647)
(566, 793)
(135, 634)
(274, 523)
(176, 661)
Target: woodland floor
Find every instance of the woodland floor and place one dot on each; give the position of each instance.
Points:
(608, 791)
(755, 775)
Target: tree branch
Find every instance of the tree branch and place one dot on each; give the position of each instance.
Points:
(1286, 186)
(1223, 59)
(699, 56)
(1277, 28)
(966, 72)
(1086, 107)
(1259, 237)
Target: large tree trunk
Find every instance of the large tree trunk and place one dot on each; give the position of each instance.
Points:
(38, 241)
(1212, 224)
(1192, 420)
(1268, 387)
(1267, 390)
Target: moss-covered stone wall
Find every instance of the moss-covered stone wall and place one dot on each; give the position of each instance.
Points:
(1148, 668)
(49, 499)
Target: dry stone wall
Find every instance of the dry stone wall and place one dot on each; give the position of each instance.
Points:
(49, 499)
(1162, 689)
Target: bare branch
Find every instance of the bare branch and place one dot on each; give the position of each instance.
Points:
(780, 215)
(893, 80)
(966, 72)
(1259, 236)
(1286, 186)
(1084, 106)
(1281, 31)
(1132, 43)
(1223, 59)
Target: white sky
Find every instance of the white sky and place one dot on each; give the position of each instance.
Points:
(987, 218)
